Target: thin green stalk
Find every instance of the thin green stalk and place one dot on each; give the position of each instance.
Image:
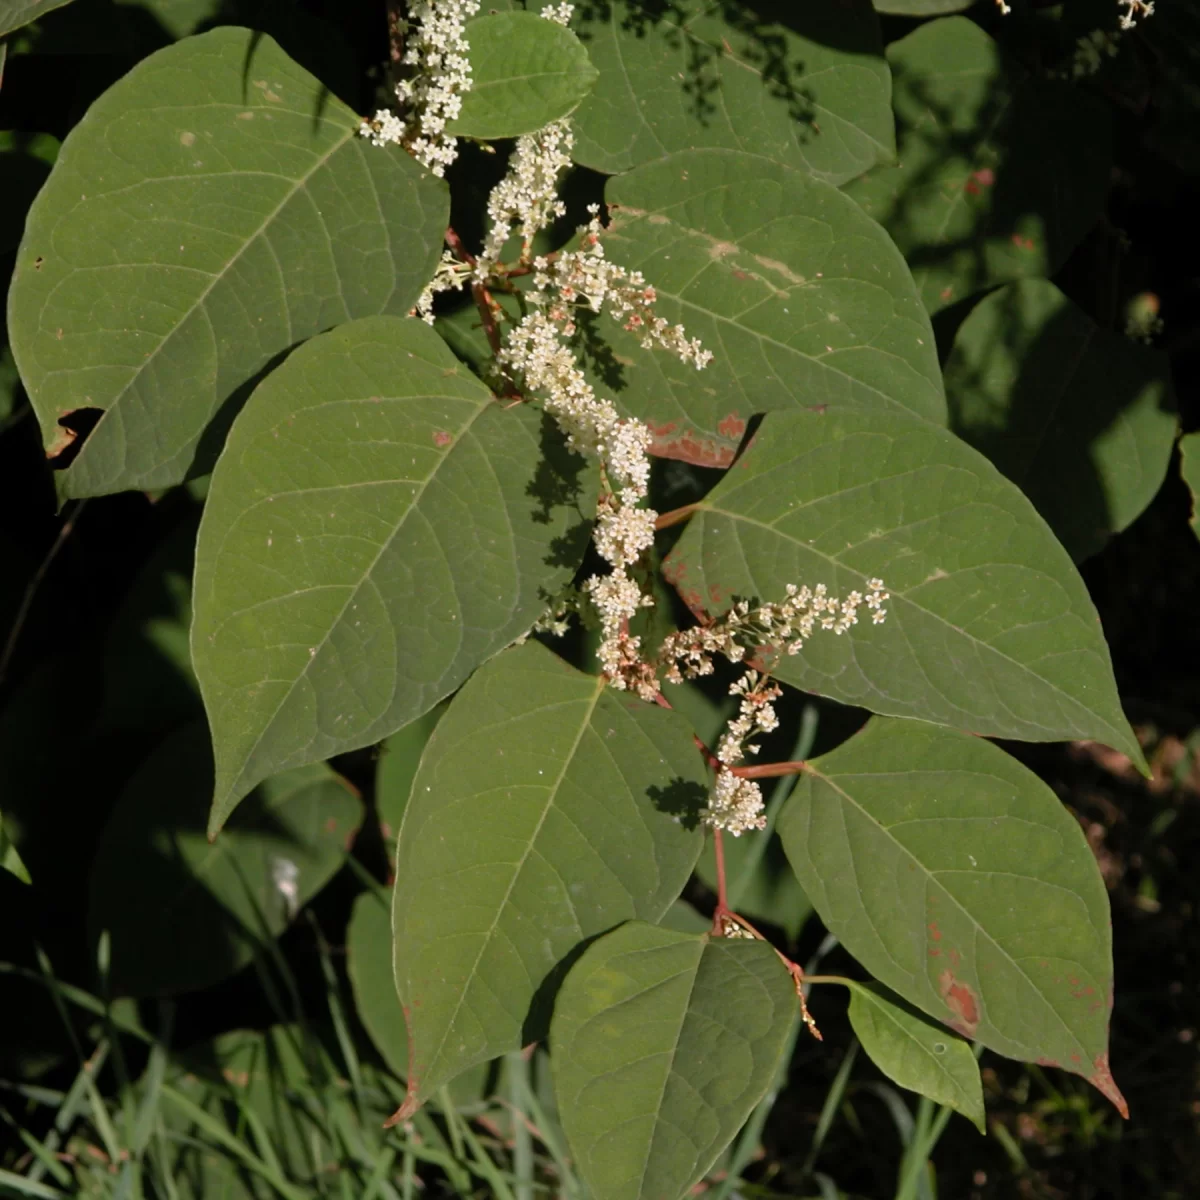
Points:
(833, 1100)
(19, 1185)
(515, 1073)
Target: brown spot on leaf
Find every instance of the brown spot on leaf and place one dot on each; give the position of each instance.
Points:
(187, 138)
(442, 438)
(961, 1002)
(946, 293)
(1022, 243)
(731, 427)
(37, 263)
(934, 931)
(1101, 1079)
(688, 448)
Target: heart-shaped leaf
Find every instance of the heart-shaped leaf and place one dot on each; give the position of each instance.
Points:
(914, 1052)
(809, 90)
(182, 913)
(143, 294)
(1000, 172)
(547, 809)
(1080, 419)
(989, 626)
(801, 299)
(525, 72)
(662, 1044)
(377, 527)
(955, 876)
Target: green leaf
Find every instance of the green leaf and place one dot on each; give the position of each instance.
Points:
(149, 684)
(213, 208)
(663, 1043)
(15, 13)
(1189, 468)
(1080, 419)
(377, 527)
(810, 90)
(547, 809)
(800, 297)
(526, 71)
(989, 627)
(369, 965)
(955, 876)
(183, 913)
(915, 1053)
(1001, 173)
(398, 759)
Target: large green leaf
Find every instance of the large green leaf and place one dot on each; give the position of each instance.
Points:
(662, 1044)
(800, 297)
(398, 759)
(377, 526)
(1001, 172)
(1080, 419)
(213, 208)
(955, 876)
(547, 809)
(1189, 468)
(525, 72)
(369, 966)
(989, 627)
(183, 913)
(803, 85)
(915, 1053)
(15, 13)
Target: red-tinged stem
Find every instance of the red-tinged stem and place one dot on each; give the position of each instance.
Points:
(487, 313)
(675, 516)
(456, 244)
(770, 770)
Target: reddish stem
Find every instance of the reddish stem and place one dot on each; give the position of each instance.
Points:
(675, 516)
(456, 244)
(770, 770)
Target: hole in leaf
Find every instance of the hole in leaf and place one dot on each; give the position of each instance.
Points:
(74, 427)
(939, 1047)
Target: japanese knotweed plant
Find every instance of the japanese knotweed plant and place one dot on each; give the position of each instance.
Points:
(432, 456)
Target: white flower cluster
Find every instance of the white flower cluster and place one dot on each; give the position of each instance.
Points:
(587, 275)
(785, 625)
(451, 275)
(1133, 10)
(736, 804)
(527, 196)
(436, 49)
